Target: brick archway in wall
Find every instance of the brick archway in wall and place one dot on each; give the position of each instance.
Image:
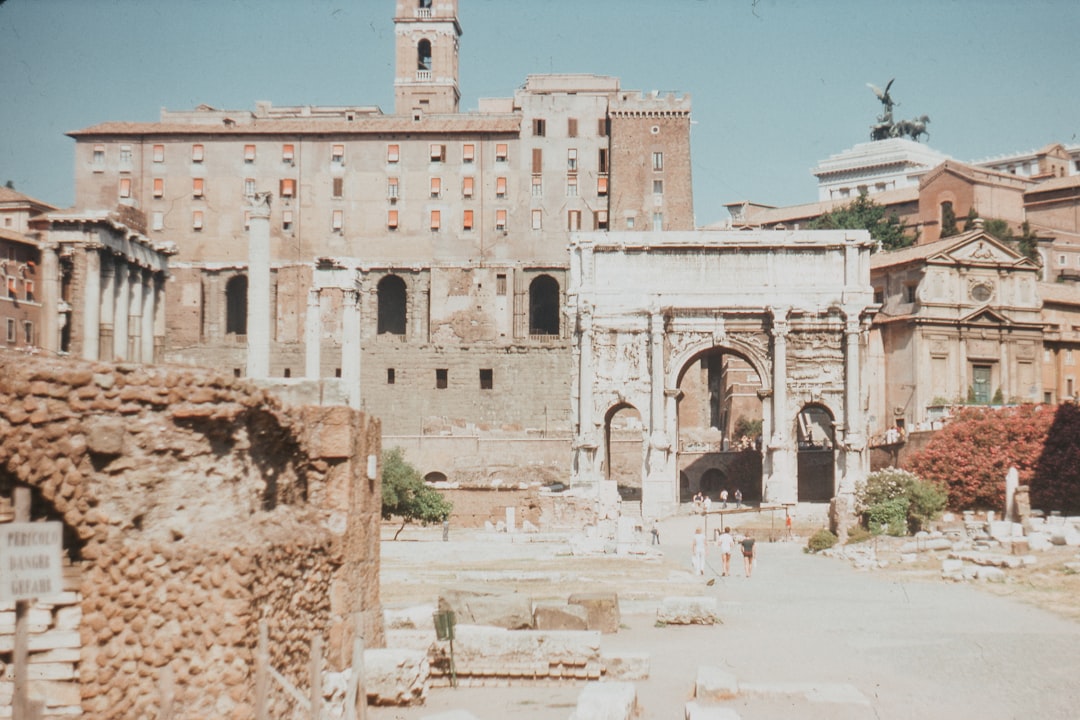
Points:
(194, 505)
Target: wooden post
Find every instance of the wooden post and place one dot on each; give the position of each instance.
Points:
(355, 695)
(262, 674)
(316, 677)
(20, 702)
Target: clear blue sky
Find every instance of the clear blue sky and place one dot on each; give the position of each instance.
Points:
(777, 85)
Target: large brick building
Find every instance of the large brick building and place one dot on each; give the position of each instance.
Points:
(446, 230)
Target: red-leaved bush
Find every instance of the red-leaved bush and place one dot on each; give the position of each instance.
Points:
(1056, 485)
(973, 452)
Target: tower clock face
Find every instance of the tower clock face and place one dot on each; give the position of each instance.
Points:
(981, 292)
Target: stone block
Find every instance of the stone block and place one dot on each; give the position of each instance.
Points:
(55, 694)
(990, 574)
(603, 610)
(510, 611)
(715, 684)
(417, 617)
(44, 671)
(951, 565)
(560, 617)
(395, 677)
(482, 645)
(329, 430)
(626, 666)
(606, 701)
(50, 640)
(104, 434)
(693, 610)
(696, 711)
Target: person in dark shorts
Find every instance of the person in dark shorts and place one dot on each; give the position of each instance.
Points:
(749, 552)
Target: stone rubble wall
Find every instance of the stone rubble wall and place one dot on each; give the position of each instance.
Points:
(194, 506)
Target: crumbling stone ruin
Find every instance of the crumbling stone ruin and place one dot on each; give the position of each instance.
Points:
(194, 506)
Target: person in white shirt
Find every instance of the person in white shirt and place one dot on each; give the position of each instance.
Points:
(726, 543)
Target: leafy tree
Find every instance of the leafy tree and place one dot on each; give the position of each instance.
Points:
(969, 220)
(865, 214)
(1056, 482)
(972, 453)
(405, 495)
(1026, 243)
(10, 184)
(948, 220)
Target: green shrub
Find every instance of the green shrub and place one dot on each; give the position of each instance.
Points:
(895, 502)
(858, 534)
(821, 540)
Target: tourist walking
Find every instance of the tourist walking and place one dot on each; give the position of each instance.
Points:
(655, 530)
(738, 498)
(723, 497)
(706, 504)
(726, 543)
(749, 552)
(697, 551)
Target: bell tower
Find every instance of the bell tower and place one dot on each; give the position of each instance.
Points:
(426, 39)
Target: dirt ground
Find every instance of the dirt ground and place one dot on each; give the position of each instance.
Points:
(806, 636)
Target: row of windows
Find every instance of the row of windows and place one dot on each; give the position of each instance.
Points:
(442, 378)
(13, 289)
(539, 127)
(13, 334)
(437, 153)
(287, 187)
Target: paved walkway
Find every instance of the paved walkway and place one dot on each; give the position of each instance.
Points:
(810, 637)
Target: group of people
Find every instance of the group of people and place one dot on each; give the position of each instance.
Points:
(726, 542)
(703, 503)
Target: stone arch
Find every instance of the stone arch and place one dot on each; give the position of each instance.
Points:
(815, 431)
(435, 477)
(423, 54)
(623, 454)
(393, 300)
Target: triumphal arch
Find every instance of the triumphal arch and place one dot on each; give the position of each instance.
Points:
(773, 322)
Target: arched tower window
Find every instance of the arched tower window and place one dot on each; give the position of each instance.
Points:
(544, 306)
(236, 292)
(392, 302)
(423, 55)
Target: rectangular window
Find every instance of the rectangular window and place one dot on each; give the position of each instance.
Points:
(337, 154)
(658, 187)
(197, 153)
(537, 161)
(157, 221)
(467, 187)
(1069, 357)
(436, 219)
(500, 219)
(602, 158)
(438, 152)
(288, 187)
(658, 221)
(539, 127)
(487, 381)
(571, 127)
(12, 292)
(468, 153)
(393, 153)
(602, 127)
(537, 219)
(125, 156)
(392, 188)
(630, 222)
(658, 161)
(500, 284)
(1062, 260)
(338, 187)
(28, 333)
(571, 186)
(391, 220)
(125, 187)
(436, 187)
(197, 187)
(909, 293)
(390, 376)
(249, 153)
(159, 153)
(442, 378)
(288, 152)
(247, 219)
(500, 187)
(99, 158)
(11, 337)
(286, 220)
(571, 160)
(337, 220)
(249, 187)
(28, 292)
(467, 220)
(573, 220)
(501, 152)
(601, 220)
(601, 186)
(159, 187)
(197, 220)
(537, 186)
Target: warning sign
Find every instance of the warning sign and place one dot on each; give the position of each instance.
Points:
(30, 558)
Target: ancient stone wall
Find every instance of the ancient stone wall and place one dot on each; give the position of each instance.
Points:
(194, 506)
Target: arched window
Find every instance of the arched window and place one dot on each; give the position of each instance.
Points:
(392, 304)
(236, 292)
(423, 55)
(544, 306)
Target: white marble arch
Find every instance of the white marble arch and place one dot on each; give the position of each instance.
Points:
(642, 306)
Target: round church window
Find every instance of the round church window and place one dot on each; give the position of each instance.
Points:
(981, 292)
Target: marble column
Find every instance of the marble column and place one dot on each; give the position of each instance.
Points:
(50, 298)
(107, 319)
(586, 444)
(159, 316)
(782, 483)
(313, 337)
(122, 305)
(91, 326)
(146, 334)
(258, 300)
(854, 439)
(350, 347)
(135, 311)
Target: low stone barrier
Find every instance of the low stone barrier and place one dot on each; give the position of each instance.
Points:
(395, 676)
(602, 608)
(687, 611)
(607, 701)
(486, 655)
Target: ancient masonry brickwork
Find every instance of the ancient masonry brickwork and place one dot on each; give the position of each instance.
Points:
(194, 506)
